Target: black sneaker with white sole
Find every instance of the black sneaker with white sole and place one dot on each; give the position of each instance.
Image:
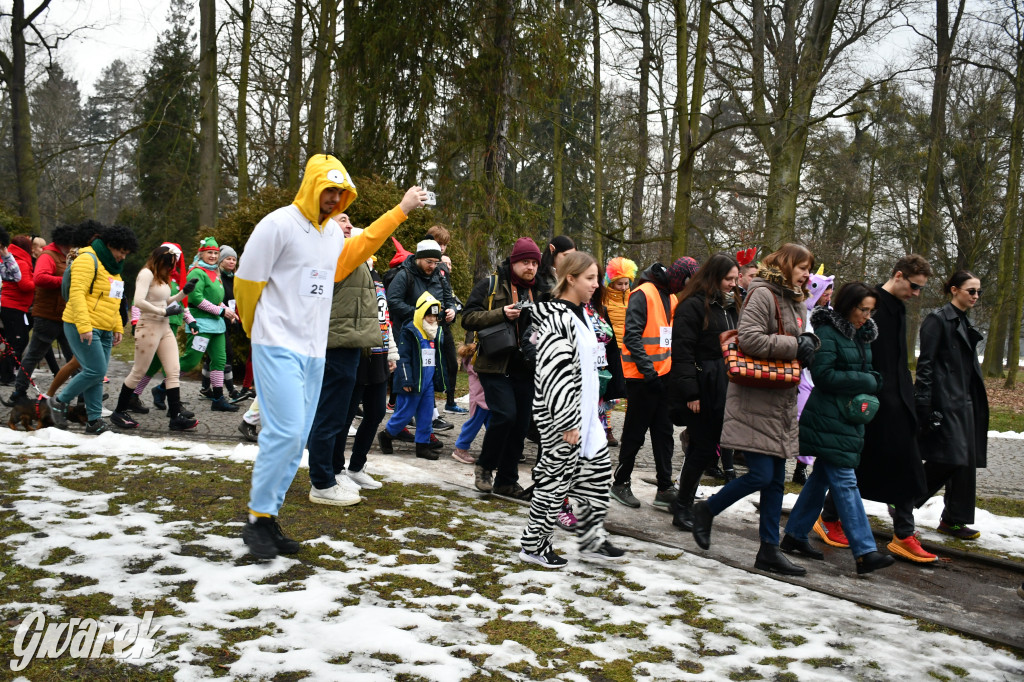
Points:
(123, 420)
(547, 560)
(606, 552)
(248, 431)
(95, 428)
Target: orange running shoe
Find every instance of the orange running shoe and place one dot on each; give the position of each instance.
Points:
(831, 532)
(910, 548)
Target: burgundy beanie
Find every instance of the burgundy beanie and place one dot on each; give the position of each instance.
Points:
(679, 272)
(524, 249)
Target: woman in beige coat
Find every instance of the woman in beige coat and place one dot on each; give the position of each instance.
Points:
(759, 422)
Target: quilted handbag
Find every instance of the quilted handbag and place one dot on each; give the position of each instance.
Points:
(756, 372)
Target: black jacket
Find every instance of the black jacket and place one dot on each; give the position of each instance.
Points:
(636, 317)
(698, 369)
(409, 284)
(478, 315)
(890, 467)
(949, 381)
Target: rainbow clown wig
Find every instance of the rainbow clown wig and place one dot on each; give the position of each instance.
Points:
(619, 268)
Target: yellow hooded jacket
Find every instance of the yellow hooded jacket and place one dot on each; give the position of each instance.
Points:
(285, 277)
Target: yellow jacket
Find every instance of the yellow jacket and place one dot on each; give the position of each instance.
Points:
(96, 310)
(616, 302)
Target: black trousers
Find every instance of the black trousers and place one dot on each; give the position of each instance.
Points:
(510, 400)
(372, 397)
(959, 498)
(451, 362)
(646, 411)
(15, 332)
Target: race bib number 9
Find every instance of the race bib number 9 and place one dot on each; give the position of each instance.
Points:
(666, 337)
(200, 343)
(315, 283)
(116, 289)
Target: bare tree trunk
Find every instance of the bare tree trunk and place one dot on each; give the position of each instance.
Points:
(556, 170)
(636, 202)
(209, 174)
(241, 115)
(598, 161)
(13, 69)
(1011, 220)
(498, 105)
(945, 38)
(294, 99)
(345, 120)
(321, 77)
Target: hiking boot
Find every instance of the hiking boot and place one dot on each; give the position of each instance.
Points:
(546, 560)
(460, 455)
(770, 559)
(484, 480)
(248, 431)
(435, 443)
(182, 423)
(831, 532)
(363, 480)
(910, 548)
(405, 435)
(872, 561)
(386, 443)
(440, 424)
(663, 499)
(455, 409)
(514, 490)
(606, 552)
(566, 520)
(95, 428)
(791, 545)
(958, 530)
(427, 451)
(135, 405)
(612, 443)
(702, 519)
(123, 421)
(623, 493)
(335, 496)
(159, 393)
(58, 412)
(266, 540)
(221, 404)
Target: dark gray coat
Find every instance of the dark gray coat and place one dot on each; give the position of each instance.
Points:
(407, 287)
(949, 381)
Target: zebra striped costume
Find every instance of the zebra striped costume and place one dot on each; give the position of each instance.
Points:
(557, 408)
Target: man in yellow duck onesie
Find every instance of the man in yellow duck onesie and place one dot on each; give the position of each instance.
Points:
(283, 290)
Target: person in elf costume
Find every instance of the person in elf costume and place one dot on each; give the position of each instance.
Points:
(818, 284)
(206, 302)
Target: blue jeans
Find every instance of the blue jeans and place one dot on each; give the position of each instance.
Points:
(339, 381)
(767, 474)
(471, 427)
(843, 483)
(94, 358)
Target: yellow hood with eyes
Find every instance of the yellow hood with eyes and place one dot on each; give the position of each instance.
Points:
(323, 171)
(425, 304)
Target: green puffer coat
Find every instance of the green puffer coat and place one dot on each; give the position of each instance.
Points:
(841, 369)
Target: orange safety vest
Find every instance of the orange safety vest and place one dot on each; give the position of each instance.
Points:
(657, 317)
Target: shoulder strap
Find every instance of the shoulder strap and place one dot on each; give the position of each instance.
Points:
(778, 315)
(95, 271)
(493, 286)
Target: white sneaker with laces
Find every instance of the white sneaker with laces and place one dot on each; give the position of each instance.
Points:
(345, 482)
(336, 495)
(363, 479)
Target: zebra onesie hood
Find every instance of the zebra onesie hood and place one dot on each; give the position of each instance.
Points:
(566, 349)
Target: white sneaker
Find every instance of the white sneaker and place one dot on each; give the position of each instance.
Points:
(363, 479)
(104, 412)
(336, 495)
(345, 482)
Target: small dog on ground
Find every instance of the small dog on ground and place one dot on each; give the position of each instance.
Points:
(35, 414)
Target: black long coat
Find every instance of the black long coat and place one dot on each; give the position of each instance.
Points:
(948, 375)
(890, 465)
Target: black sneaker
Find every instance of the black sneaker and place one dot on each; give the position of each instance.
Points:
(122, 420)
(159, 393)
(266, 540)
(206, 393)
(16, 395)
(515, 490)
(547, 560)
(58, 412)
(236, 396)
(182, 413)
(221, 404)
(958, 530)
(405, 435)
(624, 493)
(135, 405)
(183, 423)
(606, 552)
(386, 442)
(441, 425)
(97, 427)
(435, 443)
(248, 431)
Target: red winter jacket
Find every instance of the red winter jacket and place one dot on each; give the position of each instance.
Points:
(18, 295)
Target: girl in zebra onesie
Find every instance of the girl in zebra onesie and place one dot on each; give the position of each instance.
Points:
(565, 407)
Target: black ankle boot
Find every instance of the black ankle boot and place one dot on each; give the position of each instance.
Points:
(682, 508)
(790, 545)
(800, 473)
(770, 558)
(702, 518)
(124, 399)
(872, 561)
(179, 419)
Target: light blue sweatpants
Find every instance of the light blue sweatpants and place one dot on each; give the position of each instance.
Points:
(288, 385)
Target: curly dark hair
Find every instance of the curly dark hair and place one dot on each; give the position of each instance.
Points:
(86, 231)
(120, 237)
(64, 235)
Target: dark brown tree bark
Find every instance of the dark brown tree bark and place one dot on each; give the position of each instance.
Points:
(209, 166)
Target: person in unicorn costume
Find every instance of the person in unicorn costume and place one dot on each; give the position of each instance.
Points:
(818, 285)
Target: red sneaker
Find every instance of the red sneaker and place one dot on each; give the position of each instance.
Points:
(831, 532)
(910, 548)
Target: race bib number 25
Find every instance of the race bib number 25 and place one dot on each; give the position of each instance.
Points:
(315, 283)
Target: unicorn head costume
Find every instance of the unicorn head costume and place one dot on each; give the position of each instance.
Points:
(817, 285)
